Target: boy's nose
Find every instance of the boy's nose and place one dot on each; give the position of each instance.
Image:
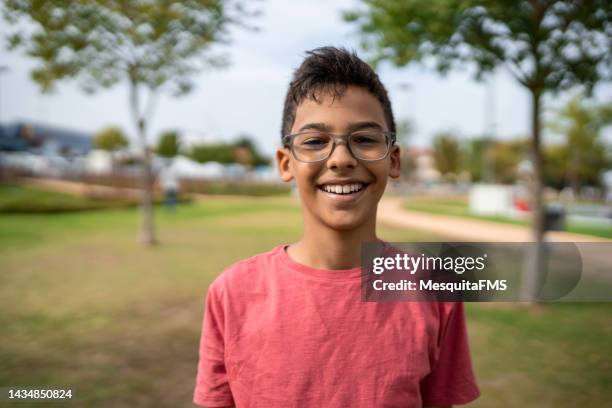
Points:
(341, 157)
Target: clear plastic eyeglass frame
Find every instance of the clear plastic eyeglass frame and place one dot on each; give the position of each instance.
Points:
(337, 140)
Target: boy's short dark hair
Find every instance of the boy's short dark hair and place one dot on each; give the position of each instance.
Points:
(332, 70)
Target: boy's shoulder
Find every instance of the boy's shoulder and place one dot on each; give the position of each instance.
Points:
(245, 271)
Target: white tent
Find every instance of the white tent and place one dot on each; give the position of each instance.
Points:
(184, 167)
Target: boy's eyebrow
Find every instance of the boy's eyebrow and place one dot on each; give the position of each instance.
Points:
(322, 127)
(352, 127)
(364, 125)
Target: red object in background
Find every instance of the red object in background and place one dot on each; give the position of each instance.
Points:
(521, 204)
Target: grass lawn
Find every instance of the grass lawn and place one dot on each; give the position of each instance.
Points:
(83, 305)
(459, 207)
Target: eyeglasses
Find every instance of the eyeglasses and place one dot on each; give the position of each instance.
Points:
(315, 146)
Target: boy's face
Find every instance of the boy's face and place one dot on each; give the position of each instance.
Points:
(356, 109)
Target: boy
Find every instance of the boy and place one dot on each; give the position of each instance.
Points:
(288, 328)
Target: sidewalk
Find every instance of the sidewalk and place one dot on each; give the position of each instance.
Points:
(390, 212)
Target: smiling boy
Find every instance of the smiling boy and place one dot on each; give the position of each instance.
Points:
(287, 328)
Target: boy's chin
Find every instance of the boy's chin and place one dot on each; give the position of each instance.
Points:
(345, 222)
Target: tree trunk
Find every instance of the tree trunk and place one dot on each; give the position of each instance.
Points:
(574, 180)
(534, 273)
(147, 227)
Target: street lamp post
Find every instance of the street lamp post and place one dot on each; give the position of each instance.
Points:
(490, 112)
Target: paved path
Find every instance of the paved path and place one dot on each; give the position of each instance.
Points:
(390, 212)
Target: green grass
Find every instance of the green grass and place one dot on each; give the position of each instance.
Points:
(83, 305)
(459, 208)
(555, 355)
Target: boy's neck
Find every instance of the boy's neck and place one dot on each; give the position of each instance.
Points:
(323, 247)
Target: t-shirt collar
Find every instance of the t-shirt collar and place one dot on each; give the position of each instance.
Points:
(320, 274)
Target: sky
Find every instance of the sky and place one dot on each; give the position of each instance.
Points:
(247, 96)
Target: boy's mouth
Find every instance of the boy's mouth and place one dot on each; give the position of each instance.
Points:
(342, 189)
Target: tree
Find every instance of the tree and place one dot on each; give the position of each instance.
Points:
(580, 124)
(218, 152)
(555, 169)
(242, 151)
(153, 46)
(246, 152)
(169, 144)
(547, 46)
(110, 139)
(505, 158)
(447, 154)
(478, 153)
(492, 160)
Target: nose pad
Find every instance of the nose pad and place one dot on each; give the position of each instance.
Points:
(341, 156)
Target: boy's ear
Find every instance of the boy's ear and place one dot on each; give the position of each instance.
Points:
(394, 155)
(283, 156)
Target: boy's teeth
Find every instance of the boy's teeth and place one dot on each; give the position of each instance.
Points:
(343, 189)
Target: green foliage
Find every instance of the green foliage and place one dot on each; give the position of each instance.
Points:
(110, 139)
(494, 160)
(478, 153)
(506, 156)
(447, 153)
(219, 152)
(255, 158)
(547, 44)
(242, 151)
(582, 157)
(169, 144)
(102, 42)
(555, 169)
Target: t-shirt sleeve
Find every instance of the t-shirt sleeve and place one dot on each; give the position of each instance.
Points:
(451, 380)
(212, 387)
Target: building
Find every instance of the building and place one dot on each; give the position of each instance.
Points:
(37, 138)
(421, 165)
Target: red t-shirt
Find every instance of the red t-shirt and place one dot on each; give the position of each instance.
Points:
(277, 333)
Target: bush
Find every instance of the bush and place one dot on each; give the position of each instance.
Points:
(18, 199)
(246, 189)
(233, 188)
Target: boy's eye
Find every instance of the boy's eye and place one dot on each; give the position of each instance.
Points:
(367, 138)
(364, 139)
(312, 141)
